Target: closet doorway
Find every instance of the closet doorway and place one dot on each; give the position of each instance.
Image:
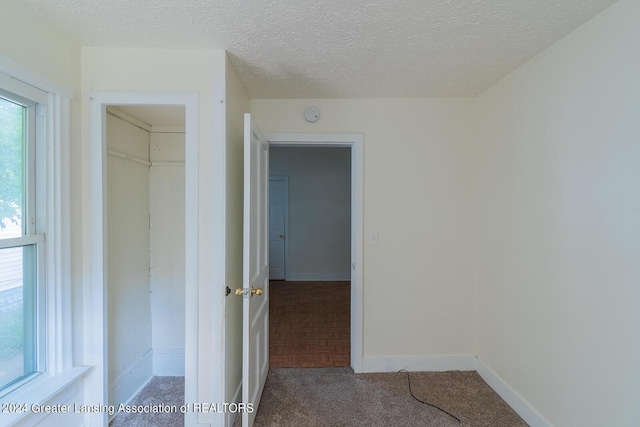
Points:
(142, 326)
(146, 250)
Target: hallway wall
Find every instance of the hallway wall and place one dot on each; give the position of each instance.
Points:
(319, 210)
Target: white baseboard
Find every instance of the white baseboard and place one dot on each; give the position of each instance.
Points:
(319, 277)
(168, 362)
(509, 395)
(458, 362)
(132, 380)
(436, 363)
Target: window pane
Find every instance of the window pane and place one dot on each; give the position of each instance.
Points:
(17, 314)
(12, 154)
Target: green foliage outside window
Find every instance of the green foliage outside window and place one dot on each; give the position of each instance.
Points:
(12, 128)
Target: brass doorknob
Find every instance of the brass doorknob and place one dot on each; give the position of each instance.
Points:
(240, 291)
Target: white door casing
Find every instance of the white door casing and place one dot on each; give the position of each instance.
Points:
(278, 201)
(255, 276)
(95, 243)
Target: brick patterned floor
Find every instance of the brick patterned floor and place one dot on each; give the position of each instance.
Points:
(309, 324)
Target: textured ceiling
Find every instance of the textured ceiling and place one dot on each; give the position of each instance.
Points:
(337, 48)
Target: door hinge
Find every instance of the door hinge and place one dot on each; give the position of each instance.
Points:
(353, 265)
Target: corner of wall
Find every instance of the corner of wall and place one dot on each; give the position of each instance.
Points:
(236, 104)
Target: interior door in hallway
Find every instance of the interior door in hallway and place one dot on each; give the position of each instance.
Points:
(255, 266)
(278, 201)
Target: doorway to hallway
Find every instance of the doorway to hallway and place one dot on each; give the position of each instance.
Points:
(310, 256)
(354, 234)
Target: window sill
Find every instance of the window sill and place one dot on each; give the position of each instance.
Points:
(38, 391)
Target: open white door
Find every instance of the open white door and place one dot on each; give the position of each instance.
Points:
(255, 277)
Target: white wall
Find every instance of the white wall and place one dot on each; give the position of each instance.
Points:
(418, 282)
(237, 103)
(146, 227)
(200, 73)
(167, 269)
(42, 49)
(319, 210)
(129, 315)
(557, 204)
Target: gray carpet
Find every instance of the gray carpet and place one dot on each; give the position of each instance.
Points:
(167, 391)
(335, 397)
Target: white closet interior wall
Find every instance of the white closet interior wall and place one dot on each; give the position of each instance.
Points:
(145, 235)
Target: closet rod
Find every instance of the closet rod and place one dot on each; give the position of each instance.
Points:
(128, 157)
(143, 162)
(167, 163)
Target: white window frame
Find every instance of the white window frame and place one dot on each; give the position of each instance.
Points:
(32, 219)
(33, 223)
(52, 185)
